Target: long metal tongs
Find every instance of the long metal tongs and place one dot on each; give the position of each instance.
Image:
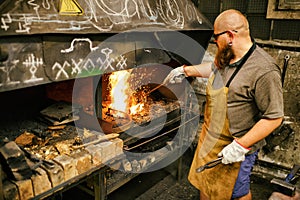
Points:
(157, 87)
(210, 164)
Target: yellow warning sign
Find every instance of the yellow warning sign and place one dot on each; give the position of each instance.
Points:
(70, 7)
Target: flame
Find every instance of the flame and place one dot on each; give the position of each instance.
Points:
(119, 90)
(138, 108)
(123, 97)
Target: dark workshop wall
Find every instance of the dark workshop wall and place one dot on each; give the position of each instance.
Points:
(256, 12)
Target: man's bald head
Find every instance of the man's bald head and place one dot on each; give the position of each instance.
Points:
(232, 20)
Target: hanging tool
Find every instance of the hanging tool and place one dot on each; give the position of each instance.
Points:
(285, 64)
(286, 186)
(210, 164)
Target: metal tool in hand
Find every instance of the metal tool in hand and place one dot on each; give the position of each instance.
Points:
(210, 164)
(155, 88)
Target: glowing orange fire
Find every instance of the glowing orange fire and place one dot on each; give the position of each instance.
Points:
(122, 95)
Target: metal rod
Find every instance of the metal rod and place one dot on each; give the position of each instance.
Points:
(154, 138)
(155, 88)
(100, 139)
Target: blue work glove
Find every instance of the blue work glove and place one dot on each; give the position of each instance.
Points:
(175, 76)
(234, 152)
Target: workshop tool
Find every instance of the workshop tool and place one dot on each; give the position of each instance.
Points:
(37, 161)
(285, 64)
(210, 164)
(285, 186)
(155, 88)
(96, 141)
(14, 161)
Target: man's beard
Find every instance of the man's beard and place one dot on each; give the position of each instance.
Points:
(224, 56)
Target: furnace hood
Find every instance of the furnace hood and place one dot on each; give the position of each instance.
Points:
(43, 41)
(97, 16)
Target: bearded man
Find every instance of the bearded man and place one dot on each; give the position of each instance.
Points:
(244, 104)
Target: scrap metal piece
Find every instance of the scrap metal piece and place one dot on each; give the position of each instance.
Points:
(14, 161)
(26, 139)
(37, 161)
(68, 164)
(25, 189)
(60, 112)
(40, 181)
(10, 190)
(83, 161)
(285, 186)
(55, 174)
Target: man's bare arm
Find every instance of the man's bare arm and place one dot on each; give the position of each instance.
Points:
(259, 131)
(201, 70)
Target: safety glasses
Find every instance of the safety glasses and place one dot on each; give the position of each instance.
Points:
(215, 36)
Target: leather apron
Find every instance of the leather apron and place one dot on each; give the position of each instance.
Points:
(217, 182)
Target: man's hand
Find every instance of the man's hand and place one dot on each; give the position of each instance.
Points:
(234, 152)
(175, 76)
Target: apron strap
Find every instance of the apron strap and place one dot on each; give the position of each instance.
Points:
(241, 63)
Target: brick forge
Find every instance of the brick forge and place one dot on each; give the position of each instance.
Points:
(64, 169)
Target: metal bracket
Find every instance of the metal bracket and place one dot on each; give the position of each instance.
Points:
(285, 64)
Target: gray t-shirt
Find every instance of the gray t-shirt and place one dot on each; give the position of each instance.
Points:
(254, 93)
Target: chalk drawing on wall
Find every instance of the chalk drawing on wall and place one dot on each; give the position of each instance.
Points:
(171, 13)
(107, 62)
(33, 64)
(76, 66)
(5, 20)
(191, 13)
(32, 16)
(104, 62)
(61, 69)
(35, 7)
(71, 49)
(46, 4)
(150, 13)
(24, 25)
(89, 66)
(7, 70)
(122, 62)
